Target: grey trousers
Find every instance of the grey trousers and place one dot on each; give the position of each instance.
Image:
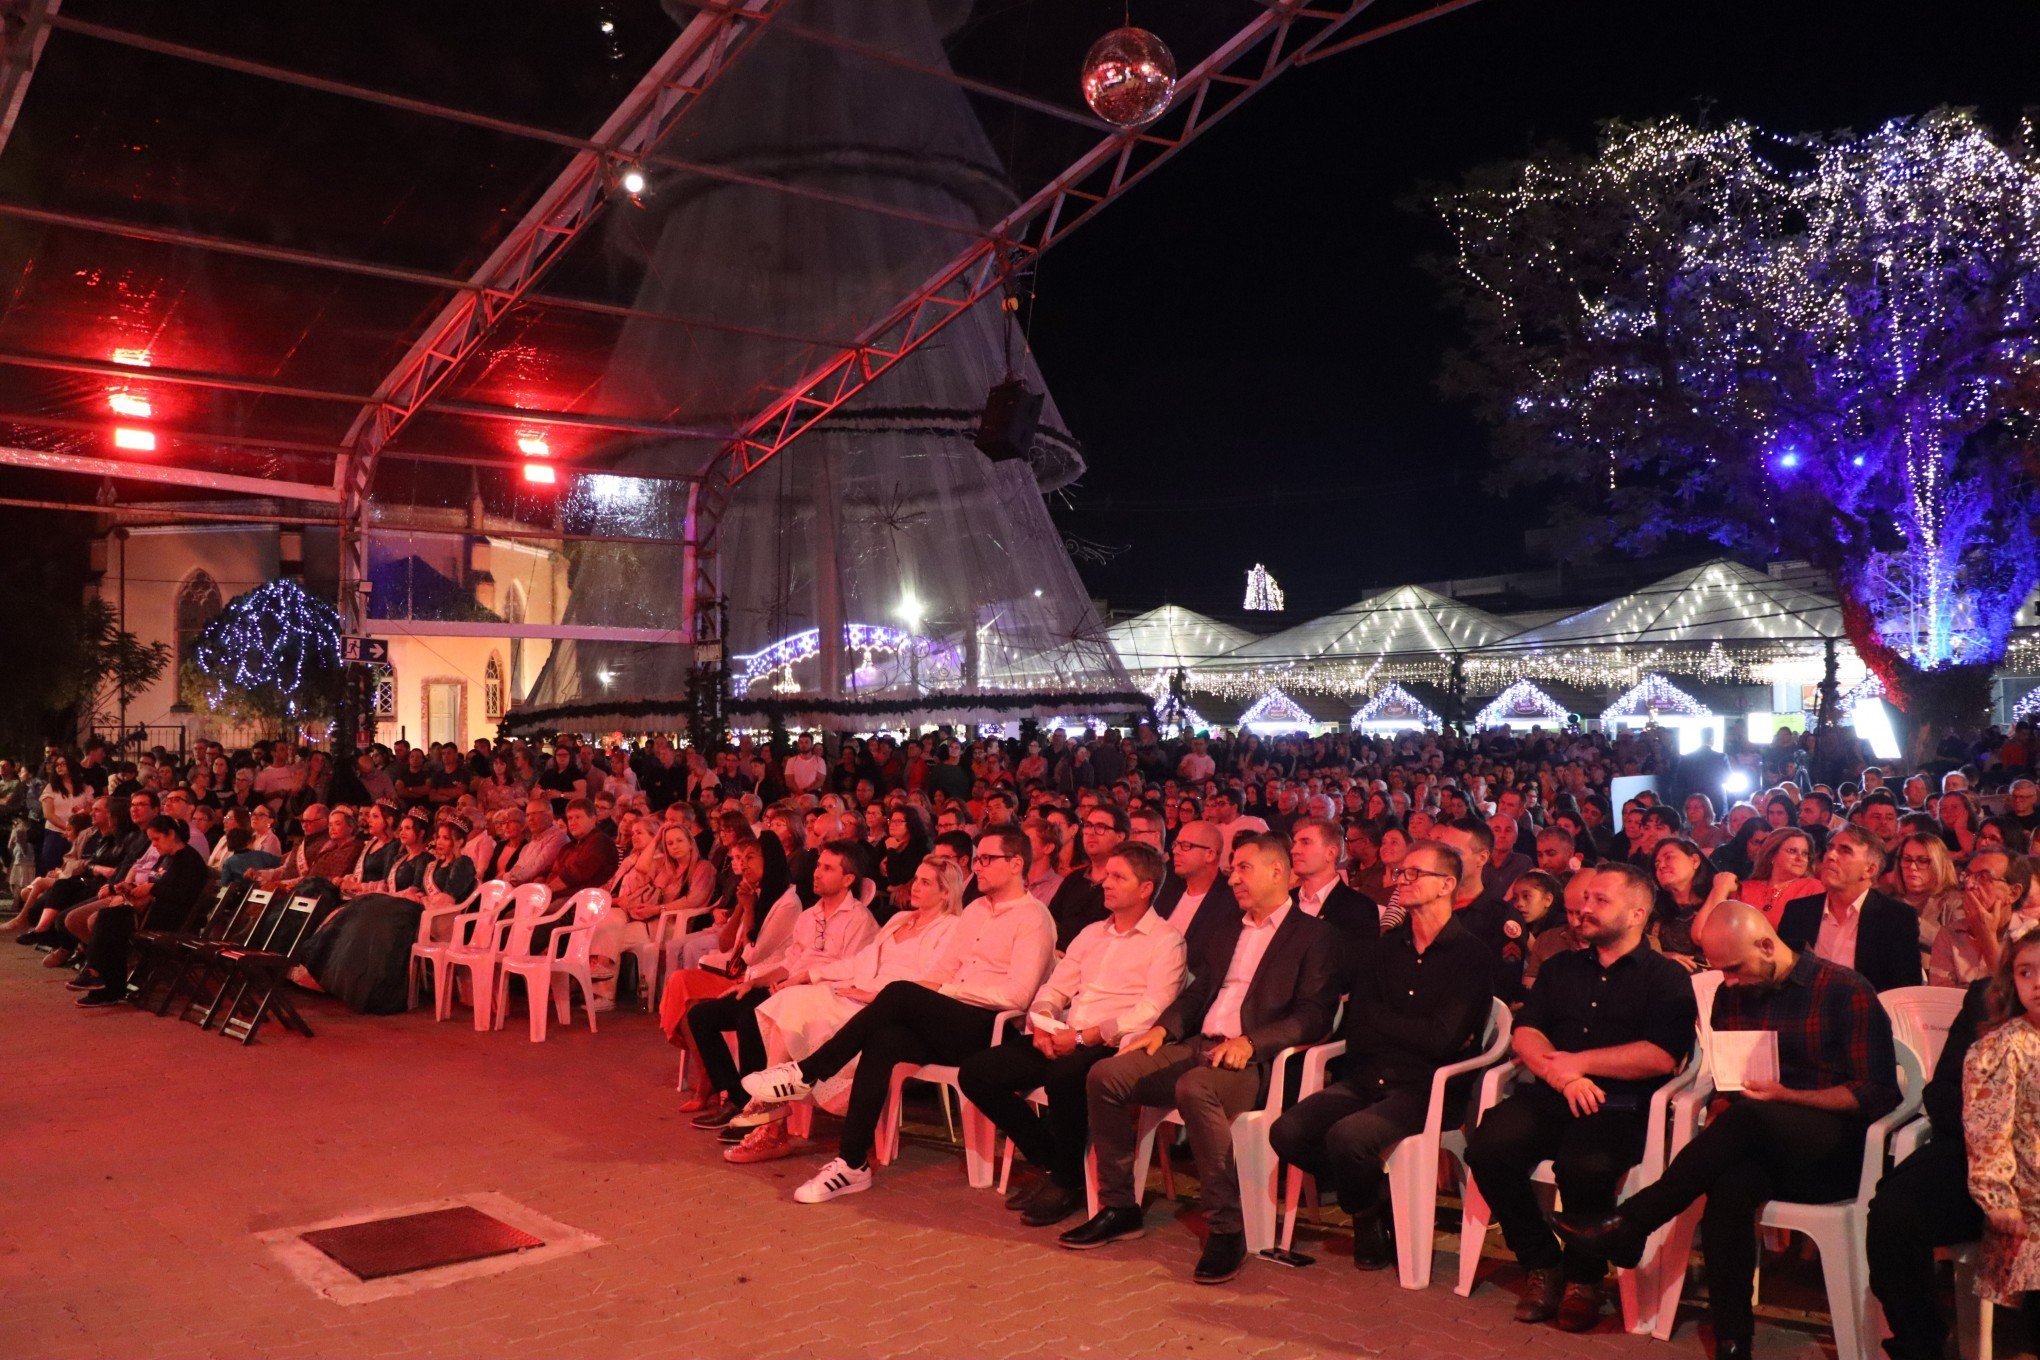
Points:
(1209, 1098)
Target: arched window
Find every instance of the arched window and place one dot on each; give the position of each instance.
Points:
(198, 604)
(492, 688)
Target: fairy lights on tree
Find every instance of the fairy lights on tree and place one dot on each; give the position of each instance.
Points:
(1262, 592)
(273, 651)
(1819, 346)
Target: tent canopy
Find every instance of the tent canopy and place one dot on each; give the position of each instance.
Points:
(1172, 636)
(1718, 601)
(1404, 622)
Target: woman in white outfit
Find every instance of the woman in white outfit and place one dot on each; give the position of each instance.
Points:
(811, 1006)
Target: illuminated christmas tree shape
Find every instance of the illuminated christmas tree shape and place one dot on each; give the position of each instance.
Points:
(1262, 592)
(276, 644)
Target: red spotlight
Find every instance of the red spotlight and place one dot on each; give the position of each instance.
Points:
(141, 441)
(541, 474)
(128, 404)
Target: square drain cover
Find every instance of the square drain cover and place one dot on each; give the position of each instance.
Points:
(398, 1246)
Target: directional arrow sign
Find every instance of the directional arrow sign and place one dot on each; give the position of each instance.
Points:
(364, 650)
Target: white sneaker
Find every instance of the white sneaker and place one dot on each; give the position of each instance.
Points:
(837, 1178)
(777, 1083)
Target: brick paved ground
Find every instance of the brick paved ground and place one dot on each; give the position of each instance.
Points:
(143, 1156)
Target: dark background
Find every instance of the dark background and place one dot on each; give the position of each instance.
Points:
(1248, 344)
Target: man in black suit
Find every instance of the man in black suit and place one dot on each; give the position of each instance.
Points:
(1314, 849)
(1853, 924)
(1275, 986)
(1420, 1000)
(1196, 902)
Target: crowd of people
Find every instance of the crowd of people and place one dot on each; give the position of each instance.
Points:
(1089, 925)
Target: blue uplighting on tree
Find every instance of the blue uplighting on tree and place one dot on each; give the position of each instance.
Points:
(1817, 347)
(277, 645)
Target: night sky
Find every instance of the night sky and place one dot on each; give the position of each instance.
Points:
(1274, 397)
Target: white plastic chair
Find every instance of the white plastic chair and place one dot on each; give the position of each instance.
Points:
(1922, 1017)
(430, 954)
(479, 946)
(980, 1135)
(1837, 1228)
(1474, 1217)
(660, 955)
(1412, 1166)
(551, 973)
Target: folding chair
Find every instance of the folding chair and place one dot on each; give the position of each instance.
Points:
(261, 972)
(158, 950)
(193, 960)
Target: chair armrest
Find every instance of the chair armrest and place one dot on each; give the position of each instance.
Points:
(1495, 1084)
(557, 945)
(1874, 1141)
(1911, 1139)
(1278, 1074)
(430, 915)
(999, 1023)
(1316, 1059)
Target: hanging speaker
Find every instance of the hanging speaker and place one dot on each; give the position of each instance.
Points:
(1006, 430)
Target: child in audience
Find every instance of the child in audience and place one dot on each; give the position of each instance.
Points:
(2001, 1119)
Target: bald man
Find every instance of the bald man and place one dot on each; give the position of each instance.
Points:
(1798, 1138)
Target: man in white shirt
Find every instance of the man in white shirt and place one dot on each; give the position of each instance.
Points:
(548, 838)
(1223, 808)
(996, 959)
(1115, 981)
(835, 927)
(805, 771)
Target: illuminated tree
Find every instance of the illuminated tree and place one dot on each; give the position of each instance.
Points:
(273, 652)
(1815, 346)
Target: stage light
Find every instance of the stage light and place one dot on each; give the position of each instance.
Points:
(911, 611)
(633, 181)
(133, 358)
(1737, 784)
(128, 404)
(1037, 592)
(141, 441)
(533, 446)
(608, 26)
(541, 474)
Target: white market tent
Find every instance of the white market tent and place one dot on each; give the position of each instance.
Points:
(1717, 602)
(1171, 637)
(1394, 709)
(1522, 706)
(1408, 621)
(1656, 702)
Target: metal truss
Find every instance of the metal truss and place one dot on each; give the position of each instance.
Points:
(1284, 34)
(24, 28)
(673, 86)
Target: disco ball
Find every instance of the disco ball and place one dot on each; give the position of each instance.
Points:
(1129, 77)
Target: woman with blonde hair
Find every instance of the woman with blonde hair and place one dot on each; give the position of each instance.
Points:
(812, 1005)
(1782, 870)
(1928, 883)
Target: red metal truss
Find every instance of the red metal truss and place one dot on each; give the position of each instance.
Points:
(21, 45)
(1282, 35)
(675, 83)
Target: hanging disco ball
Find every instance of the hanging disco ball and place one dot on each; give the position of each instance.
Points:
(1129, 77)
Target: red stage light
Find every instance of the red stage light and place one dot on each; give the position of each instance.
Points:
(533, 446)
(133, 358)
(128, 404)
(541, 474)
(141, 441)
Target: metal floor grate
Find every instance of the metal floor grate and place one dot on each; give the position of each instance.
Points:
(385, 1247)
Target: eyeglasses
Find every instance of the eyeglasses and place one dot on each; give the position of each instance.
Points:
(1981, 878)
(990, 859)
(1406, 873)
(1915, 862)
(1100, 826)
(1197, 845)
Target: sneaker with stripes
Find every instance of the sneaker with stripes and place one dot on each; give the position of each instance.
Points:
(837, 1178)
(778, 1083)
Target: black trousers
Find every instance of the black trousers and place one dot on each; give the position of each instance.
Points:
(106, 953)
(905, 1023)
(1345, 1132)
(1752, 1152)
(998, 1082)
(1921, 1203)
(709, 1020)
(1590, 1154)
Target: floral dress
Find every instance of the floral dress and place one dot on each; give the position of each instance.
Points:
(2001, 1118)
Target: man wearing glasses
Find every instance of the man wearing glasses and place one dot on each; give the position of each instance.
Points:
(1196, 902)
(996, 958)
(1118, 977)
(1419, 1000)
(1081, 899)
(1967, 948)
(1853, 924)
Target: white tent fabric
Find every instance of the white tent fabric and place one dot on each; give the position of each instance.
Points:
(1407, 621)
(1172, 636)
(1718, 601)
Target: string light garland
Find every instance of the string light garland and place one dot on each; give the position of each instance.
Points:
(1394, 704)
(2027, 709)
(1654, 696)
(1275, 707)
(1521, 701)
(276, 643)
(1824, 343)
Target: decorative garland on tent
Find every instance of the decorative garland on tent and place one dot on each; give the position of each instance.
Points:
(1392, 695)
(1520, 700)
(559, 715)
(1276, 707)
(1653, 695)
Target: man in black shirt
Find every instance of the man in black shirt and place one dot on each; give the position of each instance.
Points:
(171, 899)
(1081, 898)
(1421, 995)
(1923, 1202)
(1601, 1030)
(1482, 910)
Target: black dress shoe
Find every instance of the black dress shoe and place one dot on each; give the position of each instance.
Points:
(1731, 1350)
(731, 1132)
(1026, 1186)
(1541, 1294)
(1050, 1204)
(100, 999)
(1373, 1242)
(85, 982)
(1224, 1254)
(1608, 1236)
(1107, 1225)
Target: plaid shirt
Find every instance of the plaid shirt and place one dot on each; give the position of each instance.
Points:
(1832, 1031)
